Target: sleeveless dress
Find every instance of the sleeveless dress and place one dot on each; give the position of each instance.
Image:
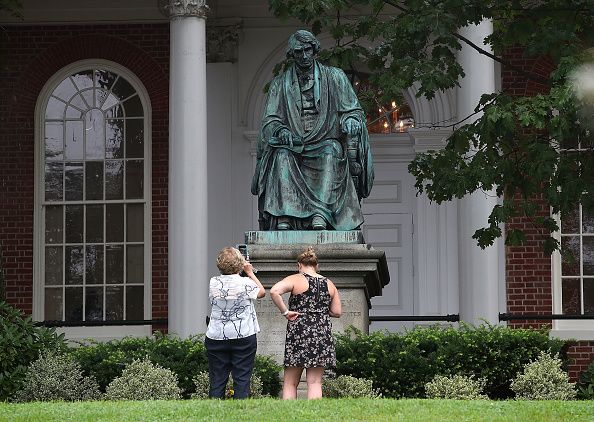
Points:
(309, 341)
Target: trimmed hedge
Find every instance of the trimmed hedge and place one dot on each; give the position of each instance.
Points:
(401, 364)
(185, 357)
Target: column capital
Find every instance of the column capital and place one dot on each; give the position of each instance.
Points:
(182, 8)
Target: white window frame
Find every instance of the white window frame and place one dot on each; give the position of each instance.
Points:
(94, 332)
(565, 328)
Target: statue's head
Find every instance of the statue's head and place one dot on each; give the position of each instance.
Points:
(303, 47)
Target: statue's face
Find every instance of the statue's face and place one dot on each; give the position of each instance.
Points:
(303, 53)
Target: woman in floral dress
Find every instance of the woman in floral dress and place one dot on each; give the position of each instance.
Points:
(309, 343)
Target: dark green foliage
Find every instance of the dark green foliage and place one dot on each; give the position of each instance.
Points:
(185, 357)
(514, 146)
(21, 342)
(401, 365)
(585, 385)
(268, 371)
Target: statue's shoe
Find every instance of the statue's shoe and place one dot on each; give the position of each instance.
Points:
(283, 226)
(318, 222)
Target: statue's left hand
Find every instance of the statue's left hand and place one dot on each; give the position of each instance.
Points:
(351, 127)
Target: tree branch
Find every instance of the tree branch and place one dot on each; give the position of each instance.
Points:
(465, 40)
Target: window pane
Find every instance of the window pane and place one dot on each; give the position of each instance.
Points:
(133, 107)
(74, 223)
(571, 296)
(114, 303)
(588, 255)
(135, 223)
(114, 223)
(134, 179)
(587, 222)
(55, 109)
(88, 97)
(104, 79)
(73, 304)
(74, 181)
(114, 264)
(94, 224)
(53, 304)
(122, 89)
(134, 138)
(78, 102)
(94, 180)
(65, 90)
(134, 264)
(53, 266)
(134, 302)
(114, 147)
(74, 265)
(110, 102)
(570, 222)
(83, 79)
(589, 296)
(74, 140)
(114, 179)
(54, 178)
(73, 113)
(95, 134)
(54, 224)
(94, 267)
(54, 141)
(94, 304)
(570, 251)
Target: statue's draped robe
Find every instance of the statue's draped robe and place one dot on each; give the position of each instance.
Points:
(313, 178)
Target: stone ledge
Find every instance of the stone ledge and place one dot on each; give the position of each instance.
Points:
(304, 237)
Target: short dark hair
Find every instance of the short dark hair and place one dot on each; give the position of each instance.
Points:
(302, 36)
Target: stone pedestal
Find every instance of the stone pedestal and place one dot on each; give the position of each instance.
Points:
(358, 271)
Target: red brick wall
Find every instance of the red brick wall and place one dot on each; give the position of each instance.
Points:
(29, 56)
(528, 268)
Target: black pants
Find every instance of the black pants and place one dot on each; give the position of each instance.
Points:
(235, 356)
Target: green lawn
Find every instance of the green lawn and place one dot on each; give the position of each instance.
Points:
(302, 410)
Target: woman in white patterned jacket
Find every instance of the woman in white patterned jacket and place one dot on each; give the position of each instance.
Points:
(231, 335)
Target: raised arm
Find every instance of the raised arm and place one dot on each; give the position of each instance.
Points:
(249, 271)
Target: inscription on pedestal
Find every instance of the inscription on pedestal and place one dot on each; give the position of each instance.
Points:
(271, 339)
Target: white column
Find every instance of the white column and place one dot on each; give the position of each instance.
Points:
(188, 219)
(436, 241)
(480, 270)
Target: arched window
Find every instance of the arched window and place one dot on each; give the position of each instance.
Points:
(93, 228)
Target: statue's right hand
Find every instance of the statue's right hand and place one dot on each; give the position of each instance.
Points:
(285, 137)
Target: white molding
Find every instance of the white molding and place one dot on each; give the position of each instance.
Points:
(38, 249)
(425, 140)
(573, 334)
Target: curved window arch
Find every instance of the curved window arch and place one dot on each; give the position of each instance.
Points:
(93, 228)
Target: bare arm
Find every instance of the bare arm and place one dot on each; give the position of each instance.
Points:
(335, 310)
(280, 288)
(249, 271)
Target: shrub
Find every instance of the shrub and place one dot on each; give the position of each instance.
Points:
(543, 379)
(347, 386)
(202, 385)
(400, 365)
(457, 387)
(105, 361)
(185, 357)
(21, 342)
(57, 377)
(585, 383)
(142, 380)
(268, 371)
